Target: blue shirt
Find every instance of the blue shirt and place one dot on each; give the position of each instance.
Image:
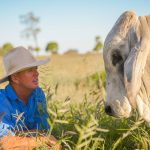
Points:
(20, 116)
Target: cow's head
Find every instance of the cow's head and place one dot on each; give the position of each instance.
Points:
(125, 54)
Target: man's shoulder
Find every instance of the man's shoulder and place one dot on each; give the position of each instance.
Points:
(4, 101)
(2, 90)
(2, 94)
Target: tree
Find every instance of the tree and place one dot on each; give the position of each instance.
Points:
(52, 47)
(37, 49)
(31, 29)
(6, 48)
(99, 44)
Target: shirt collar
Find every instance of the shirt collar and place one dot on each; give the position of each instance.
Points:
(11, 92)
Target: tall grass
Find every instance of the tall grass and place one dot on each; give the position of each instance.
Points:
(75, 92)
(79, 122)
(85, 126)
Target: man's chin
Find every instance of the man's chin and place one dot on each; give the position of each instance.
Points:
(34, 86)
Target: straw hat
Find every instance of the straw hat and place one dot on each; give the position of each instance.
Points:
(17, 60)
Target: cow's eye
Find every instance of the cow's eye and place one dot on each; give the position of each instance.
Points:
(116, 58)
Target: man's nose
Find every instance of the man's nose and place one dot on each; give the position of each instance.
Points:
(36, 72)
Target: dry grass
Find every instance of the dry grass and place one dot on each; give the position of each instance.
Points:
(66, 72)
(70, 71)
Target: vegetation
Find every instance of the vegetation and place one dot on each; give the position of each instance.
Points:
(5, 48)
(52, 47)
(98, 45)
(75, 91)
(77, 117)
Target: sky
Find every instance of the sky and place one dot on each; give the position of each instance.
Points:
(73, 24)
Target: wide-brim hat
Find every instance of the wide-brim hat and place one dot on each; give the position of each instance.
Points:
(19, 59)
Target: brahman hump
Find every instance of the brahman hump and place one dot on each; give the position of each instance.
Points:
(127, 64)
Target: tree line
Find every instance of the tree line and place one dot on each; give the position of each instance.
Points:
(51, 47)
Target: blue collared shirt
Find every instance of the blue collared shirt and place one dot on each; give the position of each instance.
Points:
(20, 116)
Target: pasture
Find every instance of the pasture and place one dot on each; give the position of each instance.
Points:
(75, 89)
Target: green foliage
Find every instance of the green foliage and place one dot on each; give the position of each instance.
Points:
(6, 48)
(98, 79)
(52, 47)
(98, 45)
(103, 78)
(37, 49)
(85, 126)
(76, 127)
(95, 80)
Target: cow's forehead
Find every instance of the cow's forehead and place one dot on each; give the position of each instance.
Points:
(113, 43)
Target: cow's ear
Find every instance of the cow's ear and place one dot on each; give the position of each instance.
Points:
(136, 60)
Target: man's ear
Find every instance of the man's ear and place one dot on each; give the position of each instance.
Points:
(136, 60)
(14, 78)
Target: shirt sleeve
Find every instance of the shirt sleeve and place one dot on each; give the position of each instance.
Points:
(5, 130)
(6, 124)
(41, 110)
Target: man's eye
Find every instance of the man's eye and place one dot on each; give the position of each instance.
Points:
(32, 69)
(116, 58)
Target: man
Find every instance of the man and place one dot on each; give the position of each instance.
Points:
(22, 102)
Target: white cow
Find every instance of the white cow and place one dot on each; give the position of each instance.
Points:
(127, 64)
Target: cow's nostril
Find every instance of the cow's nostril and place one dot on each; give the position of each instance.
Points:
(108, 110)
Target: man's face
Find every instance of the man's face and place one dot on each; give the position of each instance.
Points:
(28, 78)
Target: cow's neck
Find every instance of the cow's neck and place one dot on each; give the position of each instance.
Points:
(145, 85)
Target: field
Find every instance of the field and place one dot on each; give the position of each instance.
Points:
(75, 89)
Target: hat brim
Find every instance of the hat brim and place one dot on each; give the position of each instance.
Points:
(19, 69)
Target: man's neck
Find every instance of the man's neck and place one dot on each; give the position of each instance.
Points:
(22, 93)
